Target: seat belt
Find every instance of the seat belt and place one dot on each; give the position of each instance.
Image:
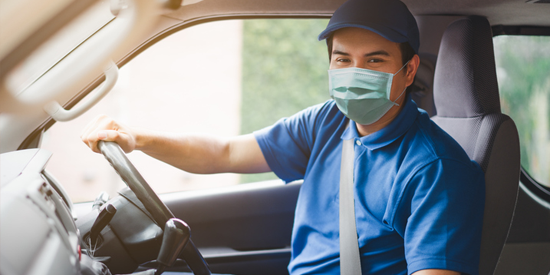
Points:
(350, 261)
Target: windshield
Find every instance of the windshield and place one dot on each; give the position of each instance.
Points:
(219, 78)
(58, 46)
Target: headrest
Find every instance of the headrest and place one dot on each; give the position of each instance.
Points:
(465, 82)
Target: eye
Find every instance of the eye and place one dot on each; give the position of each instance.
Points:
(342, 59)
(375, 60)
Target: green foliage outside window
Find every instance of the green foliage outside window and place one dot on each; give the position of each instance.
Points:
(284, 71)
(523, 70)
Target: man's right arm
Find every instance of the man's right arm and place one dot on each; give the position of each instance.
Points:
(199, 154)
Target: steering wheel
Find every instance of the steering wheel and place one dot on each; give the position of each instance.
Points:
(158, 210)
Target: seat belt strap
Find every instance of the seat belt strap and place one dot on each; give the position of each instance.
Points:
(350, 261)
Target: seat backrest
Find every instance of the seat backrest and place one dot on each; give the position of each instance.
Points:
(422, 87)
(468, 108)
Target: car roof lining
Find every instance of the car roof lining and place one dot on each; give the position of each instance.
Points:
(498, 12)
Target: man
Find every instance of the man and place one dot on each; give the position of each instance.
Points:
(418, 197)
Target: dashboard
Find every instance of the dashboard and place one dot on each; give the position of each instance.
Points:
(38, 232)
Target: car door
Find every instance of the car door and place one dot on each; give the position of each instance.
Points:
(220, 78)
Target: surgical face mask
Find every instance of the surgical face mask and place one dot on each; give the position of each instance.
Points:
(362, 95)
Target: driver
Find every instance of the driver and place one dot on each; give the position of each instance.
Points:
(418, 197)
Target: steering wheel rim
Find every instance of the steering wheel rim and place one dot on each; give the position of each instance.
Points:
(158, 210)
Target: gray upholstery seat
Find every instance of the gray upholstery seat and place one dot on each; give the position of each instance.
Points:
(468, 108)
(422, 88)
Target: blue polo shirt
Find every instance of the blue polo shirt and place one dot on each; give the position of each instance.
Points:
(419, 199)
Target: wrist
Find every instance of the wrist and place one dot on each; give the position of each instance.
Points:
(141, 139)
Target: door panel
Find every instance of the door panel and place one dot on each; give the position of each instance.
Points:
(243, 229)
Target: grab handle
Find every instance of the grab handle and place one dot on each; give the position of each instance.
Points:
(58, 113)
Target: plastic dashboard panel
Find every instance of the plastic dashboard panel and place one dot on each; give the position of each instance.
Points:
(38, 234)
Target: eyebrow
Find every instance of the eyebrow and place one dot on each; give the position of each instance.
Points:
(381, 52)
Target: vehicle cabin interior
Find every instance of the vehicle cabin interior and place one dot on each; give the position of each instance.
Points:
(462, 83)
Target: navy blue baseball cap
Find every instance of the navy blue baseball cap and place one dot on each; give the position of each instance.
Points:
(389, 18)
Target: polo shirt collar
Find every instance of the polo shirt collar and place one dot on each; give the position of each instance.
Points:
(391, 132)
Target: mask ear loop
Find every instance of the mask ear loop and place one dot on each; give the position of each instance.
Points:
(396, 104)
(402, 67)
(393, 102)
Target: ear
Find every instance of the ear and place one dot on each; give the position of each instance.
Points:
(412, 68)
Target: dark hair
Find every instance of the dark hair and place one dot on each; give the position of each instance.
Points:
(407, 53)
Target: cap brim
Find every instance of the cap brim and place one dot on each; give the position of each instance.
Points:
(383, 31)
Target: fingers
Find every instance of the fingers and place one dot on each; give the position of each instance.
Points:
(89, 134)
(89, 129)
(105, 128)
(124, 140)
(108, 135)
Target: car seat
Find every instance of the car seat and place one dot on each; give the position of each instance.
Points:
(468, 108)
(422, 87)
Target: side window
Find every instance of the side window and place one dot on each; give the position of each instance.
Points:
(221, 78)
(523, 69)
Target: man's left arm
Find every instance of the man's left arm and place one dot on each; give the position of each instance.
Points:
(445, 201)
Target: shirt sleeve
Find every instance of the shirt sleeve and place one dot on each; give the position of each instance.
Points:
(287, 144)
(443, 230)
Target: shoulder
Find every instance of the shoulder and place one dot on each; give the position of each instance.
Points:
(430, 156)
(314, 119)
(287, 145)
(431, 142)
(438, 164)
(320, 111)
